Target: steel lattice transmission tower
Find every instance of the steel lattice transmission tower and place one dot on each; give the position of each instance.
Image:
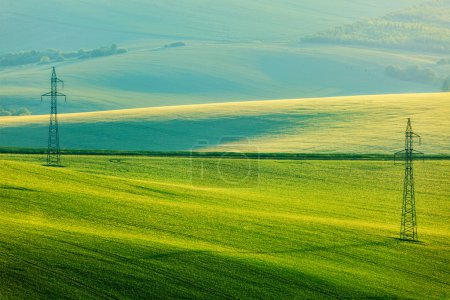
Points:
(408, 229)
(53, 151)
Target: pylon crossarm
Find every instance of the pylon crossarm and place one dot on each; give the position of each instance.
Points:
(58, 94)
(46, 95)
(62, 95)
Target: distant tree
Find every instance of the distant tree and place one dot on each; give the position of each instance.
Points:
(443, 61)
(4, 112)
(175, 44)
(44, 60)
(393, 71)
(446, 85)
(424, 29)
(23, 111)
(412, 73)
(51, 55)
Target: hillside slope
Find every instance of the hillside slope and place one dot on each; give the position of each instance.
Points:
(120, 228)
(361, 124)
(77, 24)
(213, 72)
(233, 51)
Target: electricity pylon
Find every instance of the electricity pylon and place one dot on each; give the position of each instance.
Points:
(53, 151)
(408, 229)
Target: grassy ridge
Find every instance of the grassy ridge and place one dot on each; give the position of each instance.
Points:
(204, 72)
(360, 124)
(229, 55)
(123, 227)
(85, 24)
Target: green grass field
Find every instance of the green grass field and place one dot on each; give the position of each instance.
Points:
(127, 227)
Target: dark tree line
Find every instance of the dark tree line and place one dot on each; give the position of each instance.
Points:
(22, 111)
(423, 28)
(413, 73)
(54, 55)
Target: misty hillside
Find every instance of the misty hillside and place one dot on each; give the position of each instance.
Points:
(114, 55)
(25, 25)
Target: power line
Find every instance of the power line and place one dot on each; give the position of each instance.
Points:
(408, 228)
(53, 150)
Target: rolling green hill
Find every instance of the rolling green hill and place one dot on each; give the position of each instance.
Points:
(167, 77)
(212, 72)
(114, 227)
(232, 51)
(361, 124)
(80, 24)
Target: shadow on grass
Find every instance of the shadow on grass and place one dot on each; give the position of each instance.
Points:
(399, 240)
(53, 166)
(16, 188)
